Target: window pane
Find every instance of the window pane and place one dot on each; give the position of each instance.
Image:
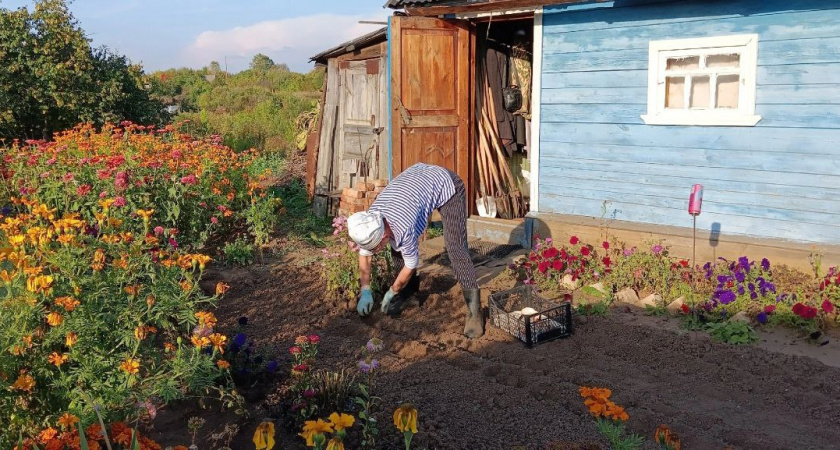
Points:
(685, 63)
(700, 92)
(732, 60)
(727, 91)
(674, 92)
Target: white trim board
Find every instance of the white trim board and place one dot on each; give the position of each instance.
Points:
(536, 106)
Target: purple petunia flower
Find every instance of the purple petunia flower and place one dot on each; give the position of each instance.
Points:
(770, 287)
(240, 339)
(656, 249)
(765, 264)
(271, 366)
(751, 287)
(727, 297)
(741, 289)
(722, 279)
(744, 262)
(740, 276)
(707, 266)
(761, 317)
(753, 295)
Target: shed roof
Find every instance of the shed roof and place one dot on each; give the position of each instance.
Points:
(396, 4)
(374, 37)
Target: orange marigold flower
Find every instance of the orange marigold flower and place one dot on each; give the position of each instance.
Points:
(200, 341)
(140, 332)
(47, 434)
(94, 432)
(150, 300)
(132, 289)
(169, 347)
(71, 339)
(186, 285)
(224, 365)
(25, 383)
(54, 319)
(181, 447)
(98, 260)
(206, 318)
(68, 303)
(218, 341)
(130, 366)
(57, 359)
(67, 421)
(221, 288)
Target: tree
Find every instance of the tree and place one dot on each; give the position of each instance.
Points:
(51, 79)
(261, 63)
(214, 68)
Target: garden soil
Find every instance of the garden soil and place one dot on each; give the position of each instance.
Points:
(493, 393)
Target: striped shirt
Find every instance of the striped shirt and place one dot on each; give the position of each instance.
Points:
(407, 203)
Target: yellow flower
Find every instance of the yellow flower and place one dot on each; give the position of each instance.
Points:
(146, 214)
(54, 319)
(186, 285)
(106, 203)
(200, 341)
(39, 283)
(206, 318)
(313, 429)
(67, 421)
(341, 421)
(66, 239)
(25, 382)
(7, 276)
(127, 237)
(17, 240)
(405, 418)
(57, 359)
(264, 436)
(221, 288)
(335, 444)
(98, 260)
(224, 365)
(218, 341)
(68, 303)
(71, 339)
(202, 260)
(130, 366)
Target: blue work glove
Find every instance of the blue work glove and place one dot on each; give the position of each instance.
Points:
(365, 302)
(387, 299)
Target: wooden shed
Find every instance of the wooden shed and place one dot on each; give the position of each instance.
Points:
(353, 127)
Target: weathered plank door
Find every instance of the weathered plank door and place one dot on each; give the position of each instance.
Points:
(430, 94)
(360, 120)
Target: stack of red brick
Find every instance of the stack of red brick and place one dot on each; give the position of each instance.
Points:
(361, 197)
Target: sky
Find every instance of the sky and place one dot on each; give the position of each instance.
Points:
(162, 34)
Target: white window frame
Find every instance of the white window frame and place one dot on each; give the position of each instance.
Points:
(660, 51)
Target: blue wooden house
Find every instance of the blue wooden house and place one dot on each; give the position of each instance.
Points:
(635, 101)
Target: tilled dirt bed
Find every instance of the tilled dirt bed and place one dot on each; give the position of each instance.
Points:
(493, 393)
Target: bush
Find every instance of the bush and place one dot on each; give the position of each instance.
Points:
(340, 262)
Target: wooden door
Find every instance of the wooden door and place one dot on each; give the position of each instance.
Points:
(359, 120)
(430, 94)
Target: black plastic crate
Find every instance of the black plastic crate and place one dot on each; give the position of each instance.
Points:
(548, 321)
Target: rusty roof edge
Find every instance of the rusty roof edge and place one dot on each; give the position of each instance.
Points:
(373, 37)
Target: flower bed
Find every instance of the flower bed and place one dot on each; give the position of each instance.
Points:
(100, 307)
(713, 292)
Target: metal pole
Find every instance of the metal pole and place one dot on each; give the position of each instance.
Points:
(694, 253)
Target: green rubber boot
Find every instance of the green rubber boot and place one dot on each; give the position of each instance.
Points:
(474, 327)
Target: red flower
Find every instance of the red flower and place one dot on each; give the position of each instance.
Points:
(827, 306)
(685, 309)
(543, 267)
(822, 285)
(294, 350)
(606, 245)
(300, 368)
(810, 313)
(607, 261)
(798, 309)
(550, 252)
(769, 309)
(313, 338)
(584, 251)
(573, 240)
(558, 264)
(563, 253)
(684, 263)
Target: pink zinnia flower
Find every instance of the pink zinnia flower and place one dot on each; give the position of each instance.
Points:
(119, 201)
(103, 194)
(158, 229)
(189, 179)
(68, 177)
(83, 190)
(313, 338)
(214, 220)
(176, 154)
(294, 350)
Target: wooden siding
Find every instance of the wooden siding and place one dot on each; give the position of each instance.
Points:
(779, 179)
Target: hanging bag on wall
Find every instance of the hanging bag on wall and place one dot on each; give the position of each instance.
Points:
(512, 95)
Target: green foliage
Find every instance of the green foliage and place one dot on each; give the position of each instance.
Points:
(735, 333)
(647, 271)
(256, 108)
(598, 308)
(297, 219)
(239, 252)
(615, 432)
(333, 388)
(340, 262)
(51, 79)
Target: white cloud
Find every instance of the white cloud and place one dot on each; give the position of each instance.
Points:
(291, 41)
